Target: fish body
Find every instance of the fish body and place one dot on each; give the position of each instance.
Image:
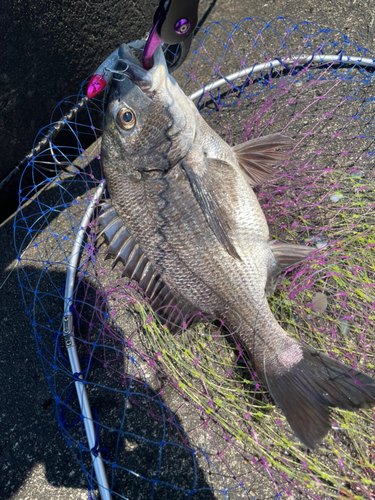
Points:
(198, 238)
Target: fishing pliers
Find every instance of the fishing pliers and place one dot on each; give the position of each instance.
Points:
(174, 23)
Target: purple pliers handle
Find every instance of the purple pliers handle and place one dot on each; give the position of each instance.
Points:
(174, 23)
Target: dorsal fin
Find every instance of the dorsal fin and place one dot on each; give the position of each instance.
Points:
(122, 247)
(258, 157)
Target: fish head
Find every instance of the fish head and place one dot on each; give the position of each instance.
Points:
(148, 123)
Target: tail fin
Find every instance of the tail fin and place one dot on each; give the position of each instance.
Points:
(307, 389)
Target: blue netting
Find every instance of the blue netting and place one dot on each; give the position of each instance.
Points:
(159, 434)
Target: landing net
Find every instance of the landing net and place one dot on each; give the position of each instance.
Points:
(183, 415)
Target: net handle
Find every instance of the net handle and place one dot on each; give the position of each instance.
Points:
(68, 333)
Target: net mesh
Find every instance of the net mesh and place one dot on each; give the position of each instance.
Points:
(184, 414)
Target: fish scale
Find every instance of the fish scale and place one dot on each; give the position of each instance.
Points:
(140, 222)
(186, 198)
(212, 281)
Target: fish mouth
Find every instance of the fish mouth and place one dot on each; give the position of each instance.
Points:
(128, 66)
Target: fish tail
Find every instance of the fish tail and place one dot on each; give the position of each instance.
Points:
(306, 383)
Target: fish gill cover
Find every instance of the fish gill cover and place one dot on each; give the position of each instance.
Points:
(183, 414)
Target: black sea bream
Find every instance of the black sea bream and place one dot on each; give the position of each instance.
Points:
(189, 228)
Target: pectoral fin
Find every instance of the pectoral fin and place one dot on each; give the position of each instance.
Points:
(258, 157)
(205, 189)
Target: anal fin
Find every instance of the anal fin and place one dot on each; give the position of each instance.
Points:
(285, 255)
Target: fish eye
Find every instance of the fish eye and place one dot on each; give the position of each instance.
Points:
(125, 119)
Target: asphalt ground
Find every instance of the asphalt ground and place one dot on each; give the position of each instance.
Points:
(35, 462)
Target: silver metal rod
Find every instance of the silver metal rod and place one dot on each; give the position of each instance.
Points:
(49, 135)
(68, 331)
(302, 59)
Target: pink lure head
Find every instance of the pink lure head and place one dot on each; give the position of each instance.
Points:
(97, 83)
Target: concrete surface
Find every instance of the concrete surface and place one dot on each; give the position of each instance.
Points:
(47, 49)
(35, 462)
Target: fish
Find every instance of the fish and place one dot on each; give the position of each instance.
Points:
(185, 221)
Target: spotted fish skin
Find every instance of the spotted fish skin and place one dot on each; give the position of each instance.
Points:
(186, 199)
